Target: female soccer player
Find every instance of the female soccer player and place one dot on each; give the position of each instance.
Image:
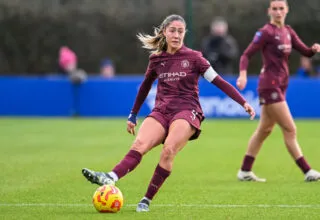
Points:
(177, 114)
(275, 40)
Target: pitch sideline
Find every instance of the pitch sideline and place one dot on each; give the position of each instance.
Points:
(314, 206)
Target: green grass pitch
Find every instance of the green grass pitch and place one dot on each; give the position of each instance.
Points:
(41, 161)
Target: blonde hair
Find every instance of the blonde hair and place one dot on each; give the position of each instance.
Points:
(157, 43)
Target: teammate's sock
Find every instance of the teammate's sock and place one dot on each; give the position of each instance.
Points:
(159, 176)
(127, 164)
(303, 165)
(247, 163)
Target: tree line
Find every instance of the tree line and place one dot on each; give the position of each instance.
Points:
(31, 32)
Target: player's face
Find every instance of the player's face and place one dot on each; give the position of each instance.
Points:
(278, 11)
(174, 34)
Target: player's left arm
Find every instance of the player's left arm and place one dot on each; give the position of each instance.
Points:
(298, 45)
(213, 77)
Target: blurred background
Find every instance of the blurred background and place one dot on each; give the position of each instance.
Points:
(93, 43)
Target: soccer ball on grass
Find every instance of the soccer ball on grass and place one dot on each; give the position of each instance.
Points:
(107, 198)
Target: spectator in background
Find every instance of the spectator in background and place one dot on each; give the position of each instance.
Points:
(67, 59)
(68, 63)
(107, 68)
(220, 48)
(306, 69)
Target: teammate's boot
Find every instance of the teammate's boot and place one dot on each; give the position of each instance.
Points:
(143, 205)
(249, 176)
(99, 178)
(312, 175)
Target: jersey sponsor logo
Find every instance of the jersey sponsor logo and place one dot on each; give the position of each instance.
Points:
(257, 37)
(285, 47)
(185, 63)
(173, 76)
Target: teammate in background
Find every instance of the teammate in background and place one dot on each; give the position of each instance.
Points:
(177, 114)
(275, 40)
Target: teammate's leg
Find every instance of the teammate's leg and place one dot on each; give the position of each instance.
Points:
(179, 133)
(151, 134)
(281, 112)
(263, 130)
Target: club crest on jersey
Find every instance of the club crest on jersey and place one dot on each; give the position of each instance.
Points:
(289, 37)
(274, 95)
(185, 63)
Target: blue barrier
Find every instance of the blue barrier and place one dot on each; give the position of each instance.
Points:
(56, 96)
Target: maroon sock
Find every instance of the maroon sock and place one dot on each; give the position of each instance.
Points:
(159, 176)
(128, 163)
(247, 163)
(303, 165)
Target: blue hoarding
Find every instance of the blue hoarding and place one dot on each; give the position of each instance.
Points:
(56, 96)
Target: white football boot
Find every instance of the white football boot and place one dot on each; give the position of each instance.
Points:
(311, 176)
(249, 176)
(143, 205)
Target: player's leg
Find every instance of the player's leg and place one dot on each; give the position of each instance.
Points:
(180, 132)
(283, 117)
(151, 134)
(263, 130)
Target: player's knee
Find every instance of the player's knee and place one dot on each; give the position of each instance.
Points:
(290, 131)
(168, 153)
(140, 146)
(265, 132)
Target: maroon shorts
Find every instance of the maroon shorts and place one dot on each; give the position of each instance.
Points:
(272, 95)
(190, 116)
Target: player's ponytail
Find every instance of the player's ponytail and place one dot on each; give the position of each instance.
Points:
(157, 43)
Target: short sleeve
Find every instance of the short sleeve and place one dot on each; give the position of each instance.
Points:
(202, 64)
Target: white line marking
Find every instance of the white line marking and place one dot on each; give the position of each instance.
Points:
(316, 206)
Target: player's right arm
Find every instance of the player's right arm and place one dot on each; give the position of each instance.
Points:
(257, 43)
(143, 92)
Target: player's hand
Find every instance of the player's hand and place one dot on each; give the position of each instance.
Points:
(131, 123)
(315, 48)
(241, 82)
(250, 110)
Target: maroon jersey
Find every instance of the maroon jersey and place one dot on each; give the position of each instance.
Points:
(178, 75)
(276, 45)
